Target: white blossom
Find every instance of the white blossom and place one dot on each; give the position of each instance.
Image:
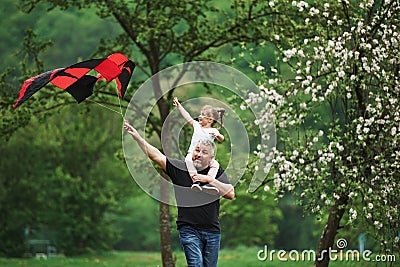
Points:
(260, 68)
(339, 114)
(353, 214)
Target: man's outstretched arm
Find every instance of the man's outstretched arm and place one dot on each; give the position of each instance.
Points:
(150, 151)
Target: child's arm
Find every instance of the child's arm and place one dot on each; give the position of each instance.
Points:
(217, 135)
(183, 112)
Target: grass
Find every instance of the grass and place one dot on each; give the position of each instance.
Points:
(241, 257)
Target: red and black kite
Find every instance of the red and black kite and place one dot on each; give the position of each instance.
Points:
(75, 80)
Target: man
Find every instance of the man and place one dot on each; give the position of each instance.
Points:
(198, 213)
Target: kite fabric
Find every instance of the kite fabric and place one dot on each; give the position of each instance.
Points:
(75, 80)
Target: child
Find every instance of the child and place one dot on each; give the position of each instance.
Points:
(203, 129)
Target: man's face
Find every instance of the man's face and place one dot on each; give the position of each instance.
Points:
(202, 156)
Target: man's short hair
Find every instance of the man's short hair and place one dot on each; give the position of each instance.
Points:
(209, 143)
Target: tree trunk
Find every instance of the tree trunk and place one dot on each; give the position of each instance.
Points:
(330, 230)
(165, 233)
(164, 213)
(165, 220)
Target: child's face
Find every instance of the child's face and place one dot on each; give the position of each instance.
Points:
(204, 118)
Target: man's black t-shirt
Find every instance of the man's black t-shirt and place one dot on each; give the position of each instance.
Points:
(199, 210)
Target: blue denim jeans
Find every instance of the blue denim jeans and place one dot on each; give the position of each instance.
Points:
(201, 248)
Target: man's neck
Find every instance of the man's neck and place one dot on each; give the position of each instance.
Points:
(204, 171)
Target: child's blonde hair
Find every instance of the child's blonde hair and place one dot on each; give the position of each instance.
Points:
(214, 113)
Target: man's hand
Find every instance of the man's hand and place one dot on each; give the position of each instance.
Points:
(150, 151)
(130, 129)
(202, 178)
(225, 190)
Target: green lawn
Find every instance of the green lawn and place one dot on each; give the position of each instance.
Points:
(241, 257)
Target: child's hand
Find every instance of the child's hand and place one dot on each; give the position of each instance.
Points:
(214, 133)
(176, 102)
(217, 135)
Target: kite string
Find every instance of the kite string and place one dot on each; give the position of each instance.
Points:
(119, 103)
(104, 106)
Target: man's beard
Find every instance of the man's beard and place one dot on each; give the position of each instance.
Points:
(199, 164)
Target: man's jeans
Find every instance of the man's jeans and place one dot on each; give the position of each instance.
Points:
(201, 248)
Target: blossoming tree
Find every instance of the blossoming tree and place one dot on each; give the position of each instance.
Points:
(338, 113)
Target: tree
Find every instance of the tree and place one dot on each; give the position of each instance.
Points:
(20, 198)
(259, 211)
(160, 33)
(88, 183)
(334, 95)
(62, 179)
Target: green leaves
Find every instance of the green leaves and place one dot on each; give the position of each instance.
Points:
(62, 178)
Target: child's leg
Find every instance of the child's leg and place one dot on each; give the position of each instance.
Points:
(189, 165)
(209, 189)
(214, 166)
(192, 171)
